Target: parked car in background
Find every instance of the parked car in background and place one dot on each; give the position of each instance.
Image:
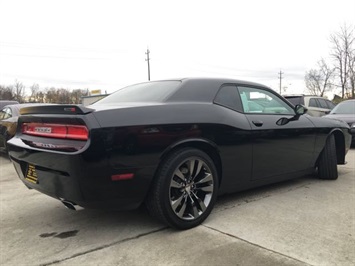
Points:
(5, 102)
(317, 106)
(345, 111)
(8, 122)
(173, 145)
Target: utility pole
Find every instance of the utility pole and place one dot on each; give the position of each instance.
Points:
(280, 77)
(148, 59)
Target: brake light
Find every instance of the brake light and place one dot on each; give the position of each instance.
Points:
(60, 131)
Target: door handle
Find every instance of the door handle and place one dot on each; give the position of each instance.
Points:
(258, 123)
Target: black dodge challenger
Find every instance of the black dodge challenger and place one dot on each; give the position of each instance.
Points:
(174, 145)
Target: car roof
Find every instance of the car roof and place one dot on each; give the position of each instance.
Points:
(205, 89)
(6, 102)
(221, 81)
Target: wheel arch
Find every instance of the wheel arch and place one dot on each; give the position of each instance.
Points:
(339, 144)
(205, 145)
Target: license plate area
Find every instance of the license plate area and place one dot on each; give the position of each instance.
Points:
(31, 174)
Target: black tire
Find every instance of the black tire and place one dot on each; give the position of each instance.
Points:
(327, 163)
(184, 190)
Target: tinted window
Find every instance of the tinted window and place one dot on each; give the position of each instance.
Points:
(262, 101)
(323, 104)
(330, 104)
(228, 97)
(295, 99)
(156, 91)
(313, 103)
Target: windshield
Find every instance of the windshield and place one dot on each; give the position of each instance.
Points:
(156, 91)
(344, 108)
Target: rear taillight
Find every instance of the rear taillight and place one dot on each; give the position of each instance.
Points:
(60, 131)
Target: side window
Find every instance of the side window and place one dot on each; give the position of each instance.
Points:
(323, 104)
(2, 114)
(262, 101)
(313, 103)
(228, 96)
(330, 104)
(7, 113)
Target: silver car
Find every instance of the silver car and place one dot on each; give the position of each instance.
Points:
(345, 111)
(316, 105)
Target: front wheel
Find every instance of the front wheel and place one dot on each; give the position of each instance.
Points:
(184, 190)
(327, 164)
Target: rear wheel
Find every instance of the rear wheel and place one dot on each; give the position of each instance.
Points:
(327, 164)
(184, 190)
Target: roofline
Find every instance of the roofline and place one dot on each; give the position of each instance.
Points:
(217, 79)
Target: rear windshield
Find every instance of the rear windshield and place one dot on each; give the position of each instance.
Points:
(295, 99)
(155, 91)
(344, 108)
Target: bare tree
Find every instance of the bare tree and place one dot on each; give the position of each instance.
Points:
(63, 96)
(48, 95)
(342, 50)
(51, 95)
(77, 94)
(40, 97)
(318, 81)
(6, 93)
(352, 72)
(19, 91)
(34, 92)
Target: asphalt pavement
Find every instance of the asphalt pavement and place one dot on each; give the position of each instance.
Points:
(305, 221)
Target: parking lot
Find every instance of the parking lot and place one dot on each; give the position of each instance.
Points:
(300, 222)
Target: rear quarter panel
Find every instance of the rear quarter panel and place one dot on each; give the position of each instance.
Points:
(140, 137)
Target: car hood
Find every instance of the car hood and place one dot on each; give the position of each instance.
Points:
(348, 118)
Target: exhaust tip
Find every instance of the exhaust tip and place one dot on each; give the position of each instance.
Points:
(70, 205)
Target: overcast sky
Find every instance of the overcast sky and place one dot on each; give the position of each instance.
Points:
(102, 44)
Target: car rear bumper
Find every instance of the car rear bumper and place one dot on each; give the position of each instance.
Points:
(83, 180)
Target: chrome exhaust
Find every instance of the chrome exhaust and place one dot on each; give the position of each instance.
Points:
(70, 205)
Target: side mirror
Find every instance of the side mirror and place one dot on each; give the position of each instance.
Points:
(282, 121)
(300, 109)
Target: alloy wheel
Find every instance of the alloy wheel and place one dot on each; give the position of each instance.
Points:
(191, 189)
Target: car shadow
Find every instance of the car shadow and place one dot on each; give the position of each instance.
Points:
(255, 194)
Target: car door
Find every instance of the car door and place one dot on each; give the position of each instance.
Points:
(277, 149)
(314, 108)
(324, 108)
